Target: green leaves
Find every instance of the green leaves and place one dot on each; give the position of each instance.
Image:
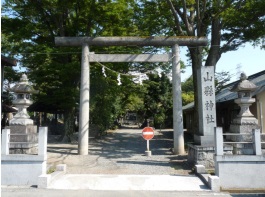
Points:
(29, 28)
(244, 21)
(187, 91)
(158, 99)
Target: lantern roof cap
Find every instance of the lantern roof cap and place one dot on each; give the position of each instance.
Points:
(24, 79)
(244, 85)
(23, 86)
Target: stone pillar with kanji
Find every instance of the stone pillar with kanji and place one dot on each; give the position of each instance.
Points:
(206, 107)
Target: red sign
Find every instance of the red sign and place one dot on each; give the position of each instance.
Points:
(148, 133)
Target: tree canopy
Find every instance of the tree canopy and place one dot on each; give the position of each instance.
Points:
(29, 31)
(227, 25)
(29, 28)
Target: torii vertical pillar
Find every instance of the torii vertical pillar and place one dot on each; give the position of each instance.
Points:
(177, 103)
(174, 42)
(84, 102)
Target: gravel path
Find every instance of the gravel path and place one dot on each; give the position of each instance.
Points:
(122, 152)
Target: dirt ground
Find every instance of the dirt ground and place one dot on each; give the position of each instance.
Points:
(121, 152)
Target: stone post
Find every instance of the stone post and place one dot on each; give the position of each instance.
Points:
(206, 106)
(218, 138)
(5, 141)
(203, 151)
(256, 142)
(84, 102)
(177, 103)
(42, 149)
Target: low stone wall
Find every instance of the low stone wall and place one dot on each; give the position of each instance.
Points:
(204, 155)
(241, 172)
(23, 139)
(23, 169)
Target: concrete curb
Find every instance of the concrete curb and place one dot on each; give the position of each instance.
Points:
(44, 180)
(213, 182)
(121, 182)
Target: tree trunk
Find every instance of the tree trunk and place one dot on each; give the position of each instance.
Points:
(69, 125)
(214, 53)
(196, 58)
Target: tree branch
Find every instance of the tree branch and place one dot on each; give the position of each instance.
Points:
(185, 19)
(175, 15)
(198, 18)
(45, 16)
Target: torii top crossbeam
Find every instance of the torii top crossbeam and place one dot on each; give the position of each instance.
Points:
(87, 57)
(132, 41)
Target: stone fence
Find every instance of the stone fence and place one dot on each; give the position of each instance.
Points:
(240, 172)
(23, 169)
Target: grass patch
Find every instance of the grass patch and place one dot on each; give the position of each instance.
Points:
(211, 171)
(50, 170)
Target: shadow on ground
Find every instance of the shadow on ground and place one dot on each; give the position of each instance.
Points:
(124, 149)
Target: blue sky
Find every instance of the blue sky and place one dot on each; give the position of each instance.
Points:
(251, 60)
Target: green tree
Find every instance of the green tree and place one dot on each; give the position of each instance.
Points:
(187, 91)
(158, 100)
(187, 85)
(221, 79)
(227, 24)
(10, 77)
(134, 103)
(31, 27)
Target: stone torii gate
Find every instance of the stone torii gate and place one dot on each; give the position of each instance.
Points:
(173, 42)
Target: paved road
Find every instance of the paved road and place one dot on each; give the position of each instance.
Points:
(34, 192)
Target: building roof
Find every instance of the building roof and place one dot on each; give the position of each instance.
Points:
(188, 106)
(7, 109)
(5, 61)
(43, 107)
(225, 94)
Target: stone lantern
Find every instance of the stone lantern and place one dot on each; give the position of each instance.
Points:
(23, 91)
(23, 134)
(245, 121)
(244, 89)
